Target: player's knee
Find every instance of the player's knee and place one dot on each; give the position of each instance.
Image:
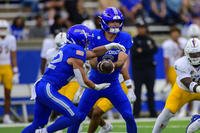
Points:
(78, 117)
(128, 117)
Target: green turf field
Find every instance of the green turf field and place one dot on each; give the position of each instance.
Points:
(144, 126)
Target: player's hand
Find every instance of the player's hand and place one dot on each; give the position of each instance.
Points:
(16, 78)
(131, 95)
(101, 86)
(115, 45)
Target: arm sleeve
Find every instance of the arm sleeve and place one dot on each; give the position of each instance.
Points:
(128, 44)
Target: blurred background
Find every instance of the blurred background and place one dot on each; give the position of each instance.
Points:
(34, 21)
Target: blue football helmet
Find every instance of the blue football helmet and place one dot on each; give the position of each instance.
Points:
(80, 35)
(111, 14)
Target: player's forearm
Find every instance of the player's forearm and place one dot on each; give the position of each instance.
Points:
(166, 65)
(98, 51)
(119, 64)
(191, 85)
(124, 70)
(14, 62)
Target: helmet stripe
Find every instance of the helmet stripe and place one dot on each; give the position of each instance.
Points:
(193, 42)
(114, 10)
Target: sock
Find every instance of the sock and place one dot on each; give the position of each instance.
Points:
(162, 120)
(195, 107)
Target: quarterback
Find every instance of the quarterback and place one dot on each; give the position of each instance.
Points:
(111, 26)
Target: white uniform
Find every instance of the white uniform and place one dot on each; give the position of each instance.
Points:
(185, 69)
(48, 43)
(172, 50)
(7, 45)
(50, 54)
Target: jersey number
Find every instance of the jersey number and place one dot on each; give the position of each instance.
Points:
(58, 58)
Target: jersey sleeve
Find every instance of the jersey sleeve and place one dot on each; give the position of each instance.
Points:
(78, 54)
(128, 43)
(13, 43)
(166, 49)
(182, 69)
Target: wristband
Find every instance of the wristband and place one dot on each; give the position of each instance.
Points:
(129, 83)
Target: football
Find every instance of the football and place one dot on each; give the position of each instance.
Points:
(106, 66)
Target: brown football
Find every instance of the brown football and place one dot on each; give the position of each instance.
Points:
(106, 66)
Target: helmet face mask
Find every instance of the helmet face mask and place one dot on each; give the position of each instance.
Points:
(192, 51)
(111, 15)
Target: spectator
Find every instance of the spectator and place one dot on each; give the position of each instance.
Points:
(58, 26)
(131, 8)
(103, 4)
(143, 66)
(77, 13)
(176, 12)
(39, 30)
(30, 5)
(17, 28)
(158, 11)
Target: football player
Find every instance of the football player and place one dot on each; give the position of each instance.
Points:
(111, 24)
(68, 63)
(172, 50)
(8, 66)
(186, 88)
(194, 31)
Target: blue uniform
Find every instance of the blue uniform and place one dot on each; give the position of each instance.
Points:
(58, 74)
(114, 93)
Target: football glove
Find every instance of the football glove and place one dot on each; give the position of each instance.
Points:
(131, 95)
(116, 46)
(101, 86)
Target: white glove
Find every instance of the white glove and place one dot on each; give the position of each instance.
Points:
(115, 45)
(16, 78)
(131, 95)
(78, 95)
(101, 86)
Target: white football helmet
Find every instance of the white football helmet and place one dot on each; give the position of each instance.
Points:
(89, 23)
(60, 39)
(193, 31)
(4, 27)
(192, 51)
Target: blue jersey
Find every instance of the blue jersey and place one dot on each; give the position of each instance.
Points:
(59, 72)
(99, 39)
